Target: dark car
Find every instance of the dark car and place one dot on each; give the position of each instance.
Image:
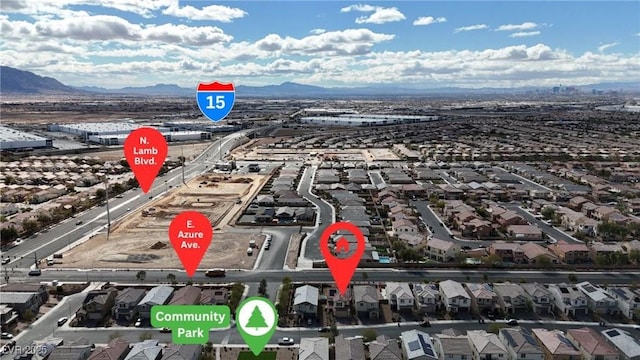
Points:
(165, 330)
(324, 329)
(512, 322)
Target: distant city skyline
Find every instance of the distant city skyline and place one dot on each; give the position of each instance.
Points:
(432, 44)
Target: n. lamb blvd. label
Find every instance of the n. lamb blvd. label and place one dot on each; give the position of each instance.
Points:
(190, 233)
(145, 150)
(190, 324)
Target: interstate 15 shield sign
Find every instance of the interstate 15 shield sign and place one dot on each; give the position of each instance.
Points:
(215, 99)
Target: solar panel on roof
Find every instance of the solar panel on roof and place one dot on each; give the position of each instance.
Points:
(414, 345)
(510, 340)
(613, 333)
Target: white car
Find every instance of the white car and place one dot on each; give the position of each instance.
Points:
(62, 320)
(6, 336)
(285, 341)
(138, 323)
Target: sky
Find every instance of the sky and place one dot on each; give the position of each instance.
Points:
(419, 44)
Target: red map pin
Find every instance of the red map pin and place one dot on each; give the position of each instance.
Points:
(343, 267)
(145, 150)
(190, 233)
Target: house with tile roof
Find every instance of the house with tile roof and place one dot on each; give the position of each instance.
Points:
(555, 345)
(486, 346)
(592, 345)
(520, 344)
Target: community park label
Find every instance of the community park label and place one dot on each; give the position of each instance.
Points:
(190, 324)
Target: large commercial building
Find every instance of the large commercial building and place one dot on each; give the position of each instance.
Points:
(115, 133)
(11, 139)
(170, 136)
(365, 120)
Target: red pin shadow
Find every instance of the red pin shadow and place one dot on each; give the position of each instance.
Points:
(342, 269)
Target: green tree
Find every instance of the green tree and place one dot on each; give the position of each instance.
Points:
(236, 295)
(30, 226)
(115, 335)
(256, 320)
(171, 278)
(634, 256)
(548, 213)
(8, 234)
(141, 275)
(262, 288)
(573, 278)
(28, 315)
(147, 335)
(495, 327)
(101, 194)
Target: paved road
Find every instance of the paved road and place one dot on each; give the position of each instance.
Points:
(547, 229)
(274, 258)
(325, 213)
(323, 275)
(95, 219)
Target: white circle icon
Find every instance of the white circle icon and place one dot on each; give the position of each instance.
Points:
(256, 318)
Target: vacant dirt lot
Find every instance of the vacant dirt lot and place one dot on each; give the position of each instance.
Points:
(142, 237)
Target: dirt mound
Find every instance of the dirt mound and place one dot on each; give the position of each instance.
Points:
(241, 181)
(158, 246)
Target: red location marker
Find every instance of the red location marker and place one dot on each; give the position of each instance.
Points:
(190, 233)
(145, 150)
(342, 268)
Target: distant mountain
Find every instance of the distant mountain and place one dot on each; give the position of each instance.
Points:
(25, 82)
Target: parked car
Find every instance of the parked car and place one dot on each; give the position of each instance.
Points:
(79, 222)
(165, 330)
(6, 260)
(324, 329)
(512, 322)
(6, 336)
(138, 323)
(285, 341)
(35, 272)
(62, 320)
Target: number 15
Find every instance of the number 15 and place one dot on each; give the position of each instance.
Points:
(219, 102)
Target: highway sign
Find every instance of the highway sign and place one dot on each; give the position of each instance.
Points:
(215, 99)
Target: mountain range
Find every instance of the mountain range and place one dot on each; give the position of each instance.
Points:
(15, 81)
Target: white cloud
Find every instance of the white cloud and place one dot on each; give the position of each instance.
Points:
(637, 34)
(519, 27)
(604, 47)
(380, 14)
(212, 12)
(428, 20)
(317, 31)
(359, 7)
(471, 28)
(524, 34)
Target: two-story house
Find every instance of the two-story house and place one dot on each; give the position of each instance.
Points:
(158, 295)
(454, 296)
(338, 304)
(540, 297)
(126, 303)
(520, 344)
(483, 296)
(569, 299)
(507, 252)
(97, 305)
(512, 297)
(571, 253)
(351, 348)
(367, 301)
(555, 345)
(305, 301)
(486, 346)
(399, 295)
(417, 345)
(40, 289)
(21, 302)
(627, 343)
(441, 250)
(451, 347)
(598, 299)
(188, 295)
(427, 297)
(592, 345)
(628, 300)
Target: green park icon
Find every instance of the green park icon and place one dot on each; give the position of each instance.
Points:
(256, 320)
(190, 324)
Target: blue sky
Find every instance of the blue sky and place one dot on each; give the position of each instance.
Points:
(330, 43)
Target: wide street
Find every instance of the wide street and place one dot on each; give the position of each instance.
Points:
(325, 213)
(95, 219)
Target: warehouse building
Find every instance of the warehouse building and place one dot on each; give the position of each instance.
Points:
(16, 140)
(170, 136)
(86, 130)
(199, 125)
(365, 120)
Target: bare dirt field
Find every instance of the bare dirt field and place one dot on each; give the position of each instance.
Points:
(141, 239)
(379, 155)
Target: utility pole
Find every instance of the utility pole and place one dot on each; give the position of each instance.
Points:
(35, 260)
(183, 160)
(106, 191)
(219, 148)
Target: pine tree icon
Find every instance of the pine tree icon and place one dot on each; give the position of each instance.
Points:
(256, 320)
